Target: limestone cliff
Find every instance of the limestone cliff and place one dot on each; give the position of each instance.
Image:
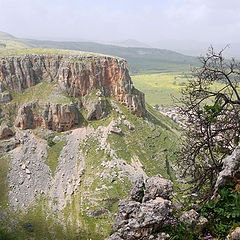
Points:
(76, 74)
(58, 117)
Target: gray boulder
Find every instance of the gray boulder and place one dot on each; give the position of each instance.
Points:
(114, 128)
(189, 217)
(137, 192)
(140, 220)
(8, 145)
(231, 170)
(157, 186)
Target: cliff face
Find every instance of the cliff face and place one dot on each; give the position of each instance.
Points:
(58, 117)
(77, 75)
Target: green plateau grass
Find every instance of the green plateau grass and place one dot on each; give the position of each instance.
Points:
(49, 52)
(12, 44)
(44, 225)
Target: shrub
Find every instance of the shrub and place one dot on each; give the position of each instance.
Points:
(50, 142)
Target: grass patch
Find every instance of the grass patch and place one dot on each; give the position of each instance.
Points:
(43, 91)
(4, 169)
(53, 155)
(45, 51)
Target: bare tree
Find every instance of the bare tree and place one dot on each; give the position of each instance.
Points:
(210, 103)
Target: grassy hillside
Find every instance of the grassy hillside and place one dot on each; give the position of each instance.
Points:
(141, 60)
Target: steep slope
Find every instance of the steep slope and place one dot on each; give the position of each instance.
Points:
(140, 59)
(75, 154)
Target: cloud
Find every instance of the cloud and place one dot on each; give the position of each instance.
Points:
(147, 20)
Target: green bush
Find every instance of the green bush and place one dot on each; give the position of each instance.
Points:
(223, 214)
(50, 142)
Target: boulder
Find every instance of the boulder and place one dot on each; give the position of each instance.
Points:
(8, 144)
(137, 192)
(128, 124)
(189, 217)
(140, 220)
(114, 128)
(157, 186)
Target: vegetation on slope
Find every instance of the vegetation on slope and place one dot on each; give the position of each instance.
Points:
(92, 206)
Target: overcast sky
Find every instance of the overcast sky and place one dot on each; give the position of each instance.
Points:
(145, 20)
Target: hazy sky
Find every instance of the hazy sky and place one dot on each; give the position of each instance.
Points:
(144, 20)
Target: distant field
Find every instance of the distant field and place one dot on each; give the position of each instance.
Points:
(159, 88)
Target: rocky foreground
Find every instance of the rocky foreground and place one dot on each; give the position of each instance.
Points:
(150, 207)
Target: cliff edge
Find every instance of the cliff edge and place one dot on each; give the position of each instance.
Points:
(77, 73)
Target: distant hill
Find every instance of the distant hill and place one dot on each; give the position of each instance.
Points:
(141, 60)
(131, 43)
(6, 36)
(197, 48)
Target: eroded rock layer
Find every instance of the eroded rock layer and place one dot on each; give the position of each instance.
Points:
(77, 75)
(58, 117)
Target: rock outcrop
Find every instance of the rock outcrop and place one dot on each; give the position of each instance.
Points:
(5, 97)
(96, 105)
(138, 219)
(77, 75)
(231, 170)
(157, 187)
(148, 208)
(57, 117)
(5, 132)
